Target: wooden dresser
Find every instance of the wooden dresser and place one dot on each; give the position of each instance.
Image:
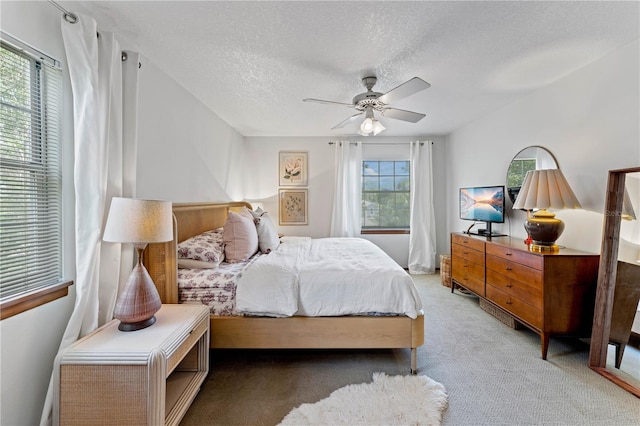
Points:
(551, 293)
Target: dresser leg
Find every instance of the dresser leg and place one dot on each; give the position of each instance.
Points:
(544, 344)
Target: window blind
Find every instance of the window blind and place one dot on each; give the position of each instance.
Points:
(30, 172)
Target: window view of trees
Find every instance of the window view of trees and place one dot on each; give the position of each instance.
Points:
(518, 170)
(30, 175)
(385, 194)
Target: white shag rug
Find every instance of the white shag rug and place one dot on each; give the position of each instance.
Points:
(389, 400)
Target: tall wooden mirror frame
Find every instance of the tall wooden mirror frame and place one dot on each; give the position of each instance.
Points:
(607, 279)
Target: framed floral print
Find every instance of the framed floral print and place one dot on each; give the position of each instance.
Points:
(293, 207)
(293, 168)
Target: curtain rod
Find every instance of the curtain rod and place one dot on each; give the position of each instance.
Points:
(373, 143)
(71, 18)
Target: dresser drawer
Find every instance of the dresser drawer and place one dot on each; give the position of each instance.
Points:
(518, 289)
(466, 252)
(515, 271)
(516, 307)
(522, 257)
(468, 274)
(467, 241)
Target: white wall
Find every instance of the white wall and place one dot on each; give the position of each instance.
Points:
(589, 120)
(185, 151)
(261, 183)
(29, 341)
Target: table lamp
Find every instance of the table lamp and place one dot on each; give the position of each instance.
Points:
(544, 189)
(138, 222)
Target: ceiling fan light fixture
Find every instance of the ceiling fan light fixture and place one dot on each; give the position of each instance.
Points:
(367, 125)
(377, 127)
(370, 100)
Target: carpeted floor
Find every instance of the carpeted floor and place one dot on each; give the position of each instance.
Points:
(493, 375)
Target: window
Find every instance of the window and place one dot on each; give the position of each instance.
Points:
(30, 177)
(518, 170)
(385, 195)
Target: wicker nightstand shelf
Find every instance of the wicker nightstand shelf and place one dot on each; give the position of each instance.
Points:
(145, 377)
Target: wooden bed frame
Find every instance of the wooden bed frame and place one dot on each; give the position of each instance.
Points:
(346, 332)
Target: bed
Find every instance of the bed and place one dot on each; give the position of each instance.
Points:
(294, 332)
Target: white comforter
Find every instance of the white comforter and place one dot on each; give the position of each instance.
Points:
(326, 277)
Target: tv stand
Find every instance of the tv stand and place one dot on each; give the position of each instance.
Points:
(484, 233)
(487, 232)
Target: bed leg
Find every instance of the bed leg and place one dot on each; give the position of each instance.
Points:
(414, 360)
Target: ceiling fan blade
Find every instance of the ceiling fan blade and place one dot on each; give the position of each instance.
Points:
(320, 101)
(407, 88)
(400, 114)
(347, 121)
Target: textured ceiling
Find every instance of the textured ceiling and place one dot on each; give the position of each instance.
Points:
(253, 62)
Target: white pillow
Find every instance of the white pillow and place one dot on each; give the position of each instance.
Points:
(268, 239)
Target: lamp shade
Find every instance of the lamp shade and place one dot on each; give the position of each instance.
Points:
(139, 221)
(543, 189)
(377, 127)
(367, 126)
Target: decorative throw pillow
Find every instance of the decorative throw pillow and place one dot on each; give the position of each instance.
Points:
(240, 238)
(268, 239)
(249, 214)
(206, 247)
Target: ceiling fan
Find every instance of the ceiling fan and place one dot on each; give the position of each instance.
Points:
(369, 102)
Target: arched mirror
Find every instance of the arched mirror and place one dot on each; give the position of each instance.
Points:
(615, 338)
(530, 158)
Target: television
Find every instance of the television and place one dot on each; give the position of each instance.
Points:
(483, 204)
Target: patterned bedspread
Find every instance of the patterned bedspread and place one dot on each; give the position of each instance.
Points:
(215, 288)
(322, 277)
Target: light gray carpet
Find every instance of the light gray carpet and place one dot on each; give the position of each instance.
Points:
(493, 375)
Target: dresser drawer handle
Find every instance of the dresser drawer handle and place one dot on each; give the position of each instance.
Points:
(508, 254)
(508, 268)
(465, 252)
(509, 285)
(508, 302)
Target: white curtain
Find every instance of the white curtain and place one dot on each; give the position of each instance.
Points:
(105, 148)
(347, 198)
(422, 239)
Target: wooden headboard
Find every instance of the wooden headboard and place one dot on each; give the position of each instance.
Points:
(189, 219)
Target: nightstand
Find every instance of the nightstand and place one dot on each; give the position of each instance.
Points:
(144, 377)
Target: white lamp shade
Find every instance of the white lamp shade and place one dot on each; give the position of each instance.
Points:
(543, 189)
(377, 127)
(139, 221)
(367, 125)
